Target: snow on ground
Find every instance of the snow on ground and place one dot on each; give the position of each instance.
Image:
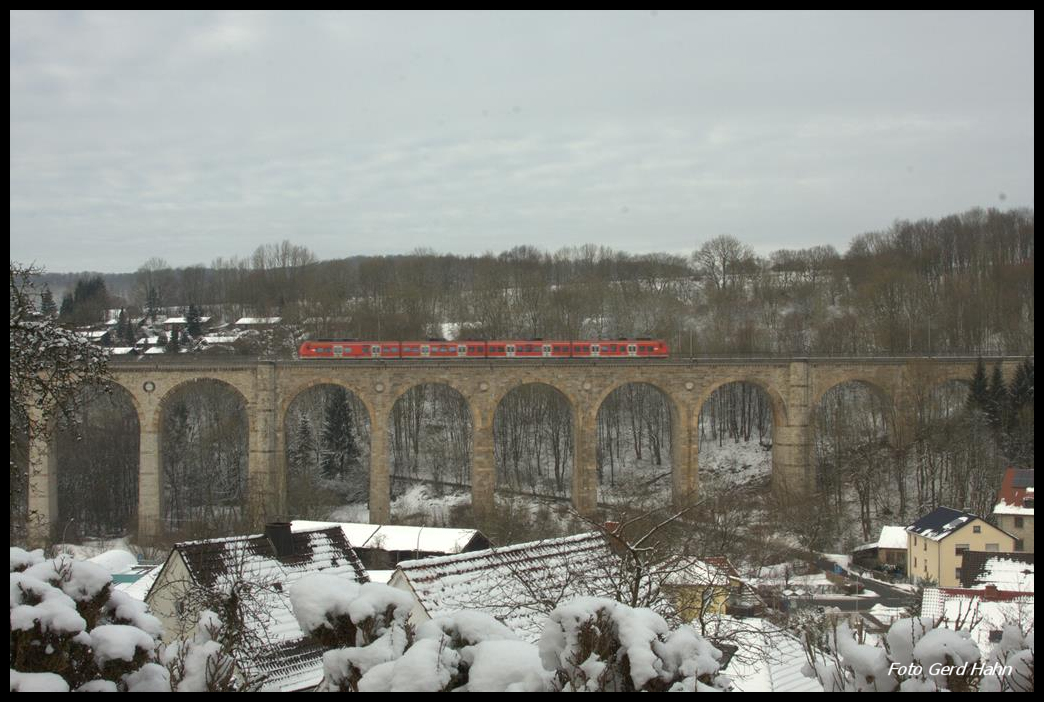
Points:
(91, 548)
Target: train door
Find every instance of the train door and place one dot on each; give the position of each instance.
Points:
(375, 351)
(547, 350)
(338, 351)
(425, 351)
(632, 350)
(595, 351)
(510, 350)
(462, 351)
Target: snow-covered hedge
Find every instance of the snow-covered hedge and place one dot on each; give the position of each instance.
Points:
(917, 656)
(71, 630)
(590, 644)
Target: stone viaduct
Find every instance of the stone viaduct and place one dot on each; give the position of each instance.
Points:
(267, 388)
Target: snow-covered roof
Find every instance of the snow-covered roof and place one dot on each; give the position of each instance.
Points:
(768, 658)
(291, 661)
(1011, 572)
(700, 573)
(155, 350)
(247, 321)
(140, 587)
(121, 350)
(219, 339)
(941, 522)
(183, 320)
(892, 537)
(1016, 493)
(398, 538)
(512, 583)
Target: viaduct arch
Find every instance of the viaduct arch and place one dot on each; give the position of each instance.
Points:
(795, 386)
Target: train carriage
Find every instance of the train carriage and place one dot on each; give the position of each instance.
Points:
(532, 348)
(351, 349)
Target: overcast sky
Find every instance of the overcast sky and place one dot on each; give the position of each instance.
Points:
(189, 136)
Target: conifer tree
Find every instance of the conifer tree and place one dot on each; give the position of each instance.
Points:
(340, 451)
(977, 394)
(48, 308)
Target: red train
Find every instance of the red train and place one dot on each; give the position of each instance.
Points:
(347, 349)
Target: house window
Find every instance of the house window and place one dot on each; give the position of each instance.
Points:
(993, 547)
(961, 548)
(1019, 545)
(996, 635)
(1018, 522)
(957, 574)
(915, 561)
(976, 529)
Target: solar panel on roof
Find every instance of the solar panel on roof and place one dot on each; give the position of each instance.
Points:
(1023, 479)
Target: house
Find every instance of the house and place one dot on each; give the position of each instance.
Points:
(275, 649)
(1014, 510)
(1008, 572)
(888, 550)
(710, 586)
(937, 541)
(382, 546)
(518, 585)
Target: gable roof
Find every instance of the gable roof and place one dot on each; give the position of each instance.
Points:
(288, 660)
(402, 538)
(892, 537)
(941, 522)
(1016, 489)
(1012, 572)
(518, 584)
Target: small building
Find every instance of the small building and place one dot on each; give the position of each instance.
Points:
(257, 322)
(1014, 510)
(272, 563)
(937, 542)
(381, 547)
(888, 550)
(182, 323)
(519, 585)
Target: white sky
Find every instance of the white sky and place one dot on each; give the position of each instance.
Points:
(194, 135)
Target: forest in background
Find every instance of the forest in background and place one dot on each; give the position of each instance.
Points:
(962, 284)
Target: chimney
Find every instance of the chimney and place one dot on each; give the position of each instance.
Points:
(616, 542)
(991, 593)
(279, 534)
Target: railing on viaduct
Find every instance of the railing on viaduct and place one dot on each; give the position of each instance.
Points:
(267, 389)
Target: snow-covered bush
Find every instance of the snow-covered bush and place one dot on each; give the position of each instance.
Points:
(596, 644)
(363, 626)
(587, 644)
(915, 655)
(202, 663)
(67, 622)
